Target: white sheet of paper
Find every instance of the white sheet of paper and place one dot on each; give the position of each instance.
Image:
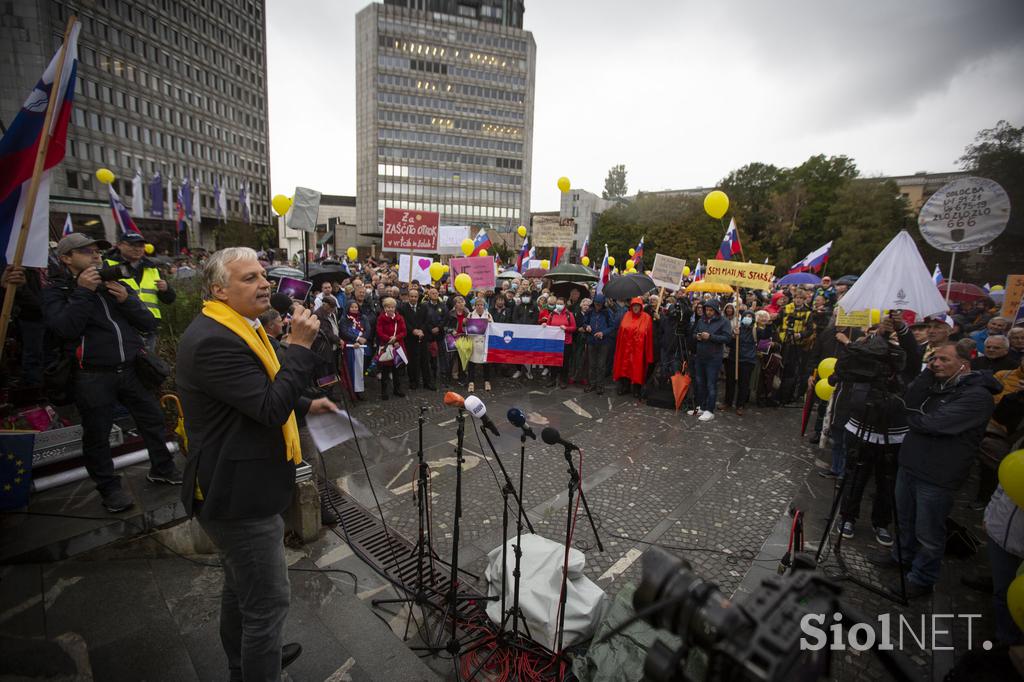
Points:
(332, 429)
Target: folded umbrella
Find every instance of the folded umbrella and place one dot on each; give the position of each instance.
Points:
(680, 386)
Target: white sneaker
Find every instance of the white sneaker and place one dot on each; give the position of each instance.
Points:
(545, 372)
(516, 374)
(706, 417)
(529, 374)
(471, 387)
(487, 385)
(695, 412)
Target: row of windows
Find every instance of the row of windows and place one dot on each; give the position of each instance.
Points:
(449, 123)
(450, 211)
(154, 110)
(482, 38)
(437, 103)
(458, 88)
(449, 195)
(443, 174)
(390, 62)
(412, 47)
(452, 140)
(406, 153)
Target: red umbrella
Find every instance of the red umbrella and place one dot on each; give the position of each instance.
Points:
(535, 273)
(680, 386)
(808, 400)
(963, 292)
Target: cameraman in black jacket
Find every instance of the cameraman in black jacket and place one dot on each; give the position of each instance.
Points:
(102, 321)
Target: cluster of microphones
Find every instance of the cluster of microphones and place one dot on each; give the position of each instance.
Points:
(516, 418)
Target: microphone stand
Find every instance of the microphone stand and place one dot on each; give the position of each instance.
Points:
(508, 481)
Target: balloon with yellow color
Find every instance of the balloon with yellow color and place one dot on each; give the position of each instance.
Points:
(149, 249)
(436, 270)
(826, 367)
(1015, 600)
(716, 204)
(996, 287)
(586, 261)
(1011, 476)
(632, 252)
(611, 261)
(483, 252)
(521, 231)
(823, 389)
(545, 264)
(463, 283)
(105, 175)
(447, 268)
(466, 246)
(352, 253)
(686, 271)
(875, 316)
(281, 204)
(563, 184)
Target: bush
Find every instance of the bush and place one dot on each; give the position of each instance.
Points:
(175, 318)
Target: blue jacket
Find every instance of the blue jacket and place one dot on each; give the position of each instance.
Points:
(604, 321)
(721, 333)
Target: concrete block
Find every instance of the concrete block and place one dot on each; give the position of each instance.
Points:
(303, 517)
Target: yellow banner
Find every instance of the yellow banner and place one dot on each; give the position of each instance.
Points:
(1014, 294)
(857, 318)
(747, 275)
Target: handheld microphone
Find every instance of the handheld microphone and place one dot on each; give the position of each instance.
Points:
(453, 399)
(551, 436)
(477, 408)
(518, 419)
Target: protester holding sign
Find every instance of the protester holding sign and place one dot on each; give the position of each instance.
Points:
(478, 360)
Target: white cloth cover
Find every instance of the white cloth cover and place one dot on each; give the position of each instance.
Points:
(539, 589)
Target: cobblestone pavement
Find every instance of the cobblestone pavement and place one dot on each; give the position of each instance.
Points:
(716, 493)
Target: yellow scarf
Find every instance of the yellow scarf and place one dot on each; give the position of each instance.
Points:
(256, 339)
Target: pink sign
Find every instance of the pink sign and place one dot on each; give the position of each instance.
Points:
(410, 231)
(479, 268)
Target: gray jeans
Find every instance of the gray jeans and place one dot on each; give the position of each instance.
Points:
(255, 598)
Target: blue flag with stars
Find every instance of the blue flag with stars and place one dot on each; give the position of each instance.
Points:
(16, 468)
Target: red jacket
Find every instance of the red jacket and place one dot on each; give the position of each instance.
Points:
(564, 318)
(388, 327)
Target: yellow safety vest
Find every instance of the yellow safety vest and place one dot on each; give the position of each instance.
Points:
(146, 289)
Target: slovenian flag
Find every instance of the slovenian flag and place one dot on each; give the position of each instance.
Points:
(814, 261)
(604, 274)
(730, 243)
(523, 253)
(638, 253)
(121, 215)
(68, 227)
(584, 250)
(18, 150)
(558, 253)
(937, 275)
(698, 272)
(525, 344)
(481, 242)
(323, 251)
(179, 207)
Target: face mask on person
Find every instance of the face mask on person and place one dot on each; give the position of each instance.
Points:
(747, 321)
(559, 307)
(525, 300)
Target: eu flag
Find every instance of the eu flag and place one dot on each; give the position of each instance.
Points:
(15, 468)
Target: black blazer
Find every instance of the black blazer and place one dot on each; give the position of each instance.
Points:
(233, 417)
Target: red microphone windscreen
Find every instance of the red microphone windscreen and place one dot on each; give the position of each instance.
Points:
(453, 399)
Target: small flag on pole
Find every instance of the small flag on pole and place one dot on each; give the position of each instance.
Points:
(68, 227)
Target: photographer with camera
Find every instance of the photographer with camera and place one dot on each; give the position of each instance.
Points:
(100, 321)
(143, 277)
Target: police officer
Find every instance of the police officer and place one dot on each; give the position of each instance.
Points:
(146, 281)
(102, 321)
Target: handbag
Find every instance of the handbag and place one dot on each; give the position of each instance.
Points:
(151, 370)
(386, 354)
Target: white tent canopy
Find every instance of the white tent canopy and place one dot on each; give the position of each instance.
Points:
(897, 279)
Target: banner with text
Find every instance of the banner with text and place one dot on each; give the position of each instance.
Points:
(407, 231)
(450, 241)
(747, 275)
(1012, 297)
(667, 271)
(856, 318)
(552, 231)
(479, 268)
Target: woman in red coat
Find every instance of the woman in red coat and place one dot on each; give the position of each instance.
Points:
(564, 319)
(390, 332)
(634, 348)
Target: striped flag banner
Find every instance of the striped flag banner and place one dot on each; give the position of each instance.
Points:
(525, 344)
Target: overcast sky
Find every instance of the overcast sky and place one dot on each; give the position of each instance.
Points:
(682, 92)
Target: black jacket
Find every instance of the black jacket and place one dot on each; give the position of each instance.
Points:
(166, 297)
(947, 422)
(415, 319)
(105, 332)
(233, 416)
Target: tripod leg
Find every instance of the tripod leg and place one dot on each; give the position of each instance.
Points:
(836, 500)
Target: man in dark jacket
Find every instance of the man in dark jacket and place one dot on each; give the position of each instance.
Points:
(947, 408)
(417, 341)
(101, 324)
(600, 325)
(145, 278)
(240, 408)
(710, 334)
(27, 316)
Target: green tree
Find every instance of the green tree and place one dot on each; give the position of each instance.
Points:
(615, 183)
(864, 217)
(750, 189)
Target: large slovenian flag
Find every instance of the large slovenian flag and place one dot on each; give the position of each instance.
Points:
(525, 344)
(937, 275)
(121, 215)
(603, 274)
(18, 150)
(814, 261)
(730, 243)
(481, 242)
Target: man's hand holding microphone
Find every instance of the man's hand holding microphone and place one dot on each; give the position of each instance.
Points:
(304, 328)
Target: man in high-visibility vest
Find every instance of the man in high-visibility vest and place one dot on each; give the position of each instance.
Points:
(146, 280)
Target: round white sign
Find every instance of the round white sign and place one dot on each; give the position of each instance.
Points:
(965, 215)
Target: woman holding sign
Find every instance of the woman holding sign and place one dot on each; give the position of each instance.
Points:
(477, 331)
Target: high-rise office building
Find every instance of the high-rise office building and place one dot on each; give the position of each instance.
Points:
(171, 87)
(444, 111)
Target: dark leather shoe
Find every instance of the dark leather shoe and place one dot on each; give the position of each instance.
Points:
(289, 652)
(328, 517)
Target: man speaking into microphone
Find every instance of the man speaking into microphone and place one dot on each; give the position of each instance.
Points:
(240, 406)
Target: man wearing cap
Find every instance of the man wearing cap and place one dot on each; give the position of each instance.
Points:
(146, 281)
(940, 327)
(101, 324)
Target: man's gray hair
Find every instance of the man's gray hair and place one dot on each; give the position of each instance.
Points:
(215, 270)
(999, 340)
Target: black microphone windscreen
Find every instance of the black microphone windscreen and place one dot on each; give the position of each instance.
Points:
(516, 417)
(550, 435)
(281, 303)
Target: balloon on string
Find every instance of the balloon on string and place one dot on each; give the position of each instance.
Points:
(827, 367)
(281, 204)
(996, 287)
(466, 246)
(463, 284)
(716, 204)
(105, 175)
(436, 270)
(632, 252)
(1011, 476)
(1015, 600)
(563, 184)
(611, 261)
(447, 268)
(586, 261)
(483, 252)
(823, 389)
(545, 264)
(521, 231)
(352, 253)
(149, 249)
(686, 271)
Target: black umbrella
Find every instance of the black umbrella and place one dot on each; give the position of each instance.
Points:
(563, 288)
(323, 272)
(848, 280)
(572, 272)
(283, 271)
(625, 287)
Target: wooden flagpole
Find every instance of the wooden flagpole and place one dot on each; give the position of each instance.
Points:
(33, 188)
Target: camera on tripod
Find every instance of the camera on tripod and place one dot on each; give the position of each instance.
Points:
(112, 273)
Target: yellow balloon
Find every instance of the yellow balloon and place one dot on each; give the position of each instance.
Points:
(632, 252)
(586, 261)
(686, 271)
(352, 253)
(996, 287)
(281, 203)
(463, 283)
(522, 230)
(466, 246)
(1015, 600)
(875, 316)
(611, 261)
(716, 204)
(545, 263)
(436, 270)
(826, 367)
(563, 184)
(149, 249)
(1011, 476)
(483, 252)
(105, 175)
(823, 389)
(630, 266)
(447, 268)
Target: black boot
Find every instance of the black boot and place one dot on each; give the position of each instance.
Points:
(384, 387)
(397, 390)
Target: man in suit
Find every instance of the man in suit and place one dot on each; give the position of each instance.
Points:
(240, 405)
(418, 341)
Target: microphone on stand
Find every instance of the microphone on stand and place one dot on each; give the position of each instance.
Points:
(551, 436)
(453, 399)
(518, 419)
(477, 408)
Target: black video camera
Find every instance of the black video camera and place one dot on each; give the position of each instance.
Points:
(112, 273)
